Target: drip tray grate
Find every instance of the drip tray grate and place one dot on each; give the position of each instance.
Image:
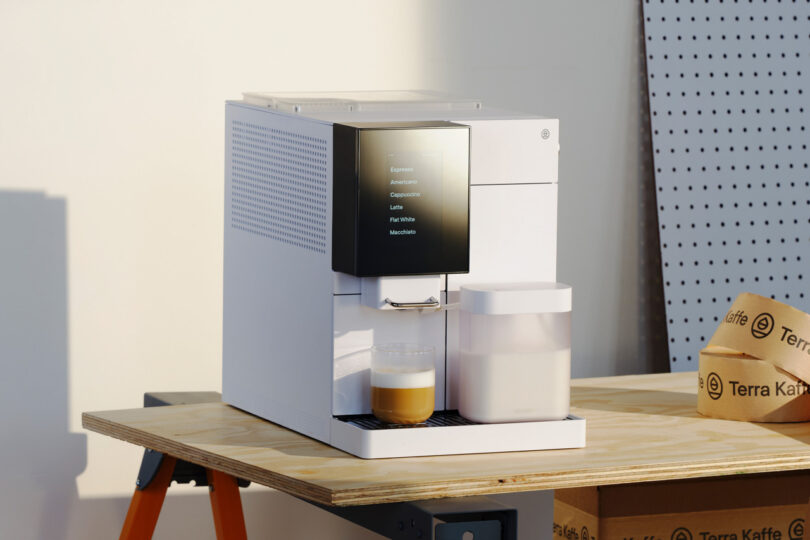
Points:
(439, 419)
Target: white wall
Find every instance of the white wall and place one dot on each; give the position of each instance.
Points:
(110, 285)
(582, 62)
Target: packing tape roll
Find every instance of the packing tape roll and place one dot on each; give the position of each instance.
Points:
(755, 365)
(739, 387)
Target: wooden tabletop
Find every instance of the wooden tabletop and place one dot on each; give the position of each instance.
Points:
(640, 428)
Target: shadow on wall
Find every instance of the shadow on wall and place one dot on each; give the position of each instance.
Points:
(40, 458)
(652, 330)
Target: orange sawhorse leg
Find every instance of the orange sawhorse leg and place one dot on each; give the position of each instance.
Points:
(226, 505)
(145, 507)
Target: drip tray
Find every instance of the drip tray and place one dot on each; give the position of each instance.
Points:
(438, 419)
(367, 437)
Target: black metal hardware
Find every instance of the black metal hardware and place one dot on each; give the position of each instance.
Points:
(438, 519)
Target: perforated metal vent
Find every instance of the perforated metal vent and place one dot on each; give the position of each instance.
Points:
(728, 85)
(278, 185)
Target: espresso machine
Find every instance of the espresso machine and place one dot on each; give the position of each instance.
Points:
(353, 219)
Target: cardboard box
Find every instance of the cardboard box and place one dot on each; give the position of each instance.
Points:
(745, 507)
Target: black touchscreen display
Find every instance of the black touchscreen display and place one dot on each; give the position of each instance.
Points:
(412, 200)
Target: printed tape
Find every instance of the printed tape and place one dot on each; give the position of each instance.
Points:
(755, 365)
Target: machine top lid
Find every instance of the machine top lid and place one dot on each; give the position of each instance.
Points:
(361, 101)
(514, 298)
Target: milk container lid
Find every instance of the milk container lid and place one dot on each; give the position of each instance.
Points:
(515, 298)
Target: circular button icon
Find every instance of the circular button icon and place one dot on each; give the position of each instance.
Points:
(762, 326)
(545, 134)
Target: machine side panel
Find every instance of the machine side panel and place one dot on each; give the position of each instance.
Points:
(346, 283)
(513, 233)
(278, 281)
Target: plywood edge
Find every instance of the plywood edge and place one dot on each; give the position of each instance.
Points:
(297, 488)
(567, 479)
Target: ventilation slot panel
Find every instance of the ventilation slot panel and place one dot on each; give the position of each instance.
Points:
(278, 185)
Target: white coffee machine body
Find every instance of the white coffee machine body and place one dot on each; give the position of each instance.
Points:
(297, 329)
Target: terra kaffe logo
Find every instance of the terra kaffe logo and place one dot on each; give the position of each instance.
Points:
(714, 385)
(681, 533)
(796, 529)
(762, 326)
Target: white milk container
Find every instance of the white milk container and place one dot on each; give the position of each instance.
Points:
(515, 341)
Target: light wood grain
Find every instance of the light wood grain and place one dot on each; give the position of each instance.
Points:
(640, 428)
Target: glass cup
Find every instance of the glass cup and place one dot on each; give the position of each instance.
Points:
(403, 382)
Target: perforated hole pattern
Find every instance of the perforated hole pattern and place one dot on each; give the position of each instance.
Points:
(728, 88)
(278, 185)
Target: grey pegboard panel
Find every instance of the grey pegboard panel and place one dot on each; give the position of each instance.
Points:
(729, 109)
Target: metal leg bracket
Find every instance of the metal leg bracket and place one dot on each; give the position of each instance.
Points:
(467, 518)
